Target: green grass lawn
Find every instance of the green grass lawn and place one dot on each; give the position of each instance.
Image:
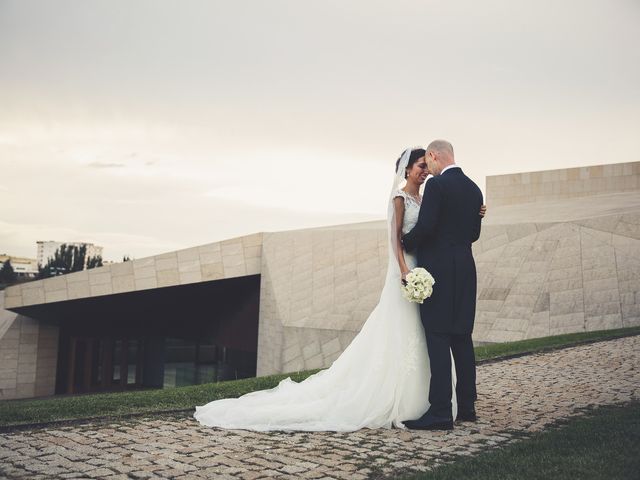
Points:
(605, 444)
(500, 350)
(21, 412)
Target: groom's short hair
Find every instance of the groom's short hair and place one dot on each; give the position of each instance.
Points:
(440, 146)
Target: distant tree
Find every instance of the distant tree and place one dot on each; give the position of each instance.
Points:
(126, 258)
(60, 263)
(93, 262)
(7, 274)
(79, 254)
(67, 259)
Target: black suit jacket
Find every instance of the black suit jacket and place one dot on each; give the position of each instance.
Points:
(449, 222)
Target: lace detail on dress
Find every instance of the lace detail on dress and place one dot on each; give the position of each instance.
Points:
(411, 355)
(411, 211)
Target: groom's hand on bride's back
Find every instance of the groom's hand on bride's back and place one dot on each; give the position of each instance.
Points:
(483, 210)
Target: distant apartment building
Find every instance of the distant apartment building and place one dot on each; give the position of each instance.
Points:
(47, 249)
(22, 266)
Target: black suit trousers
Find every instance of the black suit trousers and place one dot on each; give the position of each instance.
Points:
(441, 346)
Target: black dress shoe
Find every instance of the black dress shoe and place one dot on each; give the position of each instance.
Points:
(430, 422)
(466, 416)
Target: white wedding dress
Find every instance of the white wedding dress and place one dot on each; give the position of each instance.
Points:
(381, 378)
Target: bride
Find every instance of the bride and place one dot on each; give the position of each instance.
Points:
(382, 377)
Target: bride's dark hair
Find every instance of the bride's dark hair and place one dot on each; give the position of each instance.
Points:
(413, 158)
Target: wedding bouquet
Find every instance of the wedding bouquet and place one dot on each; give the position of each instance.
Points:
(418, 286)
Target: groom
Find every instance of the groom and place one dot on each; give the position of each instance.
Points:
(447, 226)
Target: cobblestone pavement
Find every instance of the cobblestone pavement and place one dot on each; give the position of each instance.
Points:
(516, 396)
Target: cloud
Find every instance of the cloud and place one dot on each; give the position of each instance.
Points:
(105, 165)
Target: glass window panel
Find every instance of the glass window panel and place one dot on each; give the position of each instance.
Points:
(132, 358)
(131, 374)
(179, 374)
(117, 358)
(206, 373)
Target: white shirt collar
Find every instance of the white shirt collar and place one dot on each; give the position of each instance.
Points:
(448, 167)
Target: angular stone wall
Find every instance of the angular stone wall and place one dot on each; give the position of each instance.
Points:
(546, 279)
(534, 280)
(28, 356)
(318, 286)
(563, 183)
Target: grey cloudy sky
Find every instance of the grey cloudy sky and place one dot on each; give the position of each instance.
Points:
(148, 126)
